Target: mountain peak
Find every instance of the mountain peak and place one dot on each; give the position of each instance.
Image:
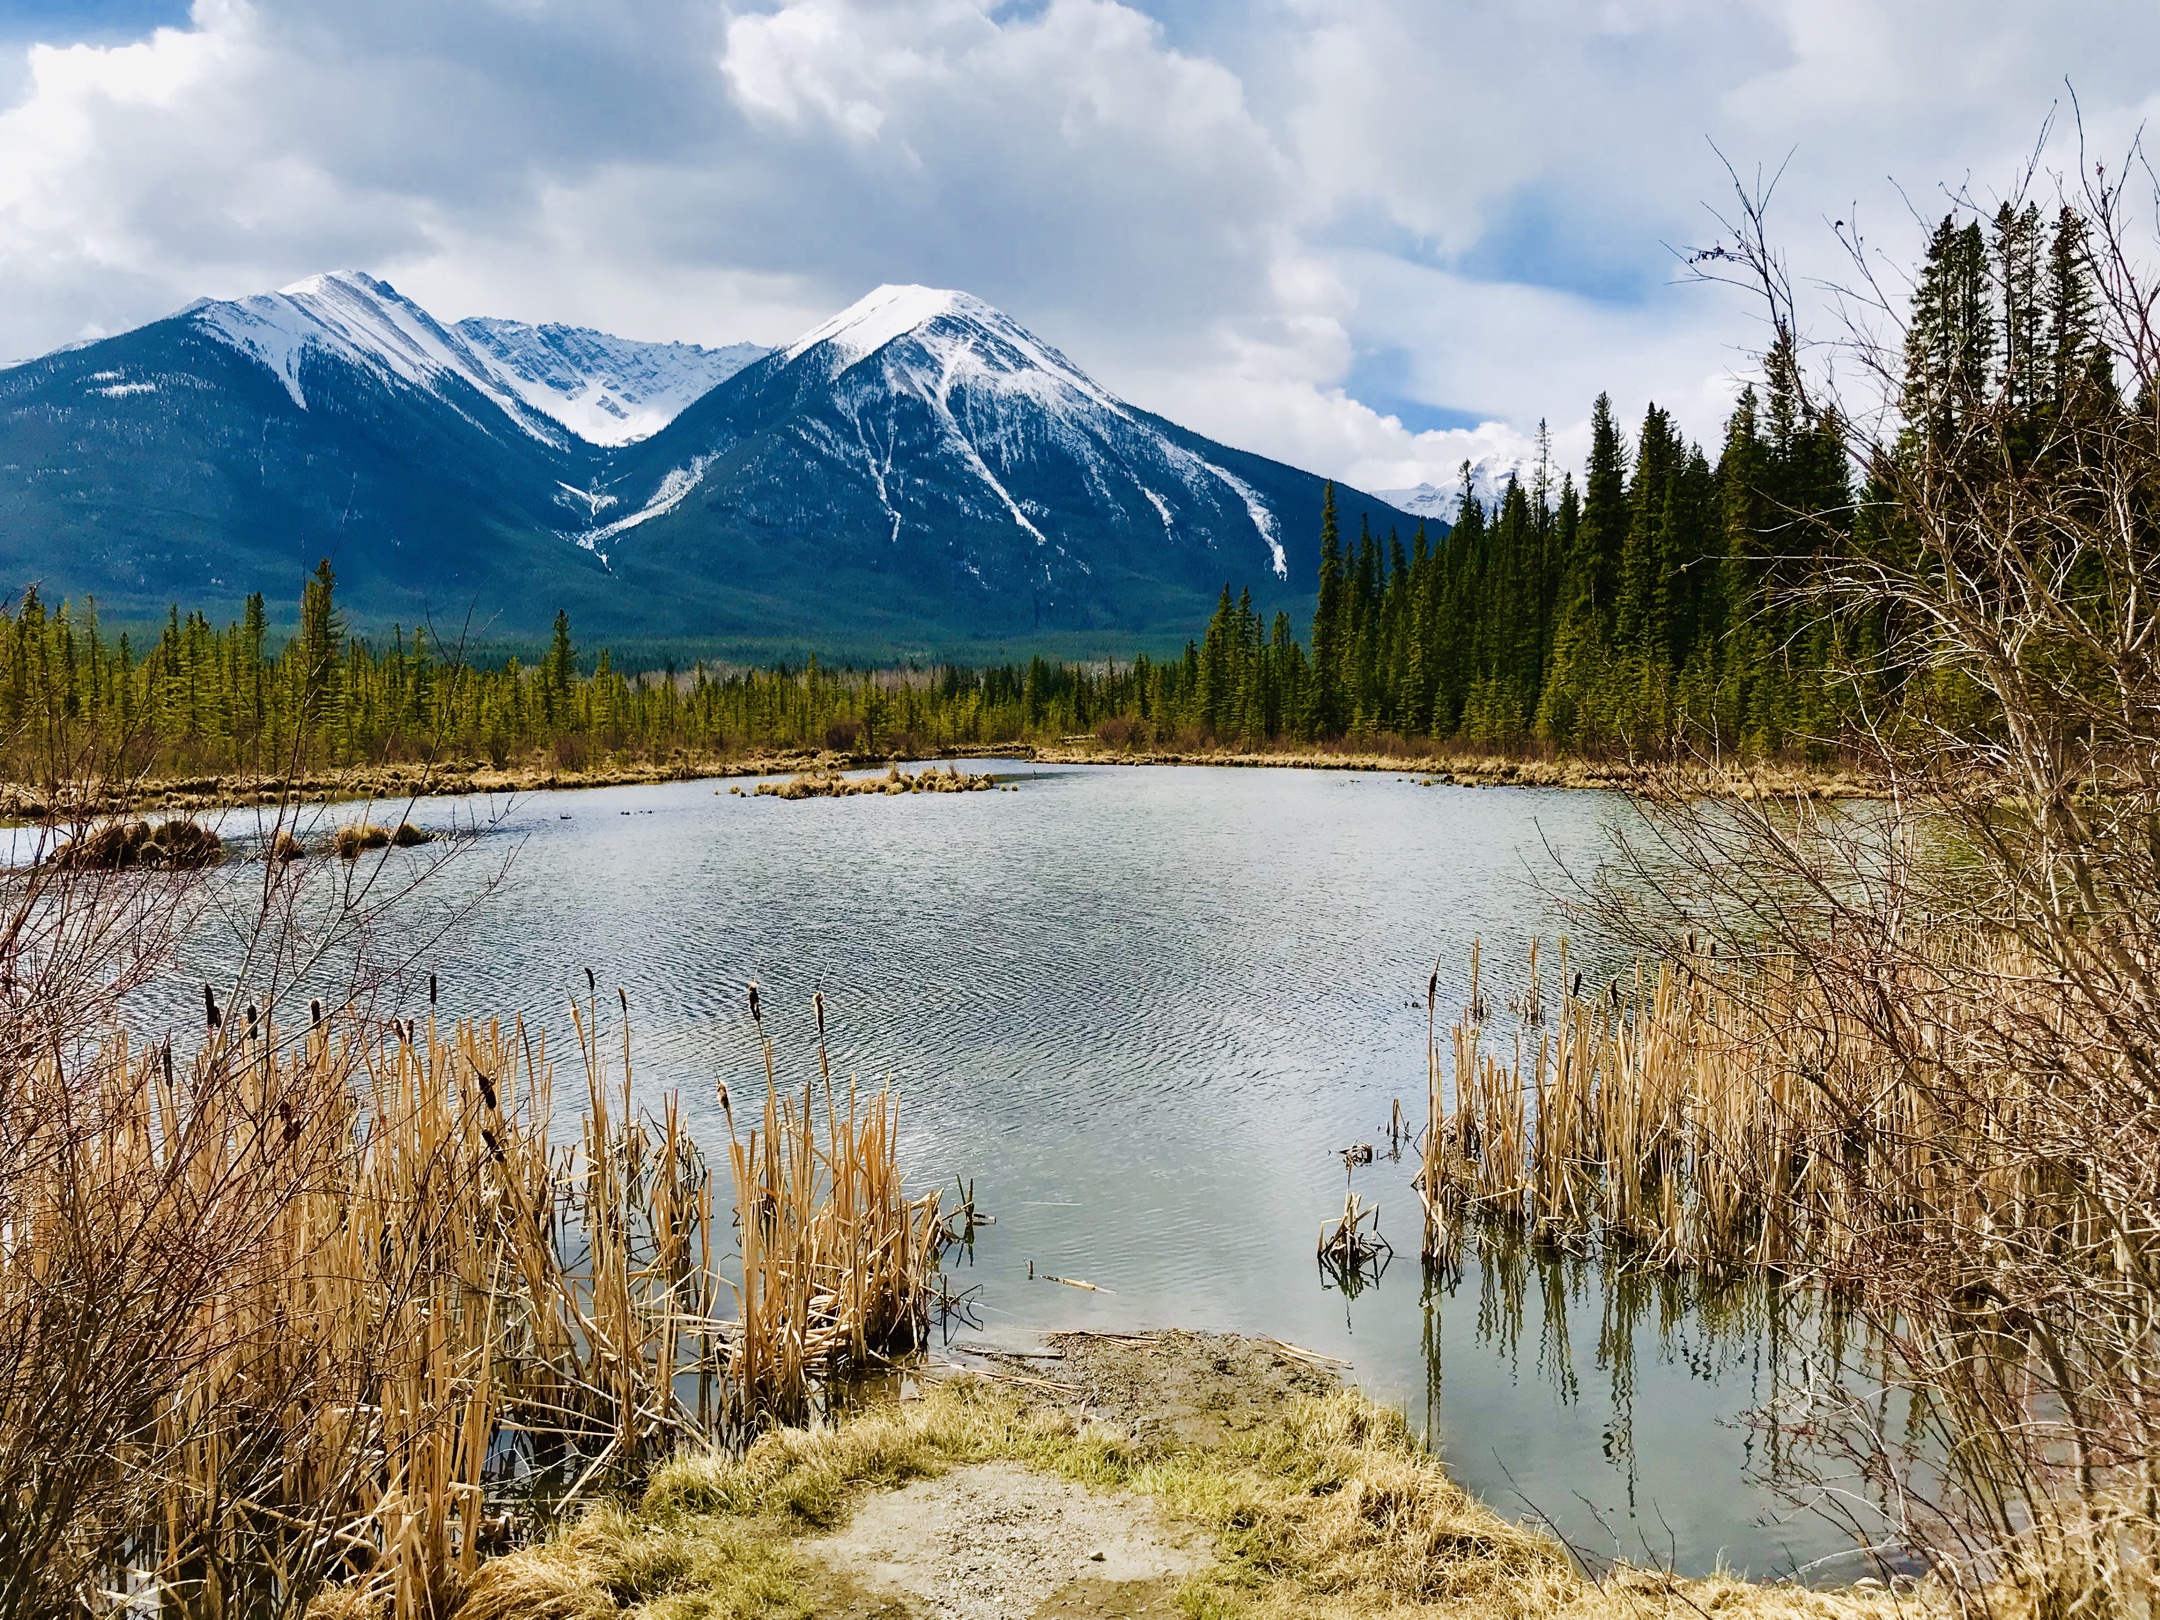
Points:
(891, 311)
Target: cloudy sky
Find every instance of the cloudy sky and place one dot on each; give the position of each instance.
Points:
(1368, 236)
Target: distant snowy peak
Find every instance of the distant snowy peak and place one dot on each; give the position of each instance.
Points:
(608, 390)
(1489, 475)
(364, 322)
(871, 322)
(1422, 500)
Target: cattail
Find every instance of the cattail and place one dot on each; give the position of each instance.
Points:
(592, 985)
(210, 1007)
(431, 989)
(817, 1005)
(315, 1012)
(253, 1033)
(757, 1015)
(487, 1090)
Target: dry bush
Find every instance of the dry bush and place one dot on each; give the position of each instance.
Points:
(1963, 981)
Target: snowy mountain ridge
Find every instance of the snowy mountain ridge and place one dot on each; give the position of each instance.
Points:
(365, 323)
(607, 390)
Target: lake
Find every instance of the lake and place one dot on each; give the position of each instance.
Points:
(1142, 1010)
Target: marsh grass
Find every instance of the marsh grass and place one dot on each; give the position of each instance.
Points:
(1708, 1118)
(832, 784)
(1334, 1510)
(1940, 1141)
(335, 1307)
(356, 837)
(174, 845)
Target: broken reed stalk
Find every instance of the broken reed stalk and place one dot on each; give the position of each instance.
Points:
(312, 1295)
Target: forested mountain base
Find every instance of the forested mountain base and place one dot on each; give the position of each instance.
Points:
(1667, 606)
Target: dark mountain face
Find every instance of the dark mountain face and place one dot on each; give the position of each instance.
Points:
(163, 466)
(919, 475)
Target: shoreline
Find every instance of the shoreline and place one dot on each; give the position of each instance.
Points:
(1153, 1475)
(368, 784)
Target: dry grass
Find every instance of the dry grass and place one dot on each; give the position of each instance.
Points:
(836, 1257)
(1719, 1120)
(176, 845)
(832, 784)
(1334, 1510)
(1950, 1141)
(304, 1299)
(355, 837)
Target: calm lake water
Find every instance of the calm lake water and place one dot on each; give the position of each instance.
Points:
(1142, 1009)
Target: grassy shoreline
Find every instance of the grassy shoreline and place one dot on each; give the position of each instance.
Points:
(1295, 1496)
(26, 803)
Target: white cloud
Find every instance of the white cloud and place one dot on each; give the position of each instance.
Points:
(1223, 219)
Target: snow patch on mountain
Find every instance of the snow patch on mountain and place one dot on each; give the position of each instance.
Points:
(674, 489)
(871, 322)
(607, 390)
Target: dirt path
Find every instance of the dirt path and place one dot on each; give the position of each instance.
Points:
(999, 1541)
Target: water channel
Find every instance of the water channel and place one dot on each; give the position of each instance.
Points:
(1143, 1009)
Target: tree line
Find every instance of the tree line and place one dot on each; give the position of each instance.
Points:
(1666, 599)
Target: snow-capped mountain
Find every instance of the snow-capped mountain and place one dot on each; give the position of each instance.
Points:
(922, 434)
(350, 317)
(1422, 500)
(1488, 476)
(607, 390)
(918, 474)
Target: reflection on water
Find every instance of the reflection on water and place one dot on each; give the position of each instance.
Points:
(1604, 1337)
(1143, 1011)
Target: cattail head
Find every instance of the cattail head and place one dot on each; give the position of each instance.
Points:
(314, 1012)
(431, 989)
(817, 1005)
(623, 996)
(252, 1031)
(757, 1013)
(210, 1007)
(487, 1089)
(592, 985)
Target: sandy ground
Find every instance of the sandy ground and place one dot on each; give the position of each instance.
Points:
(999, 1541)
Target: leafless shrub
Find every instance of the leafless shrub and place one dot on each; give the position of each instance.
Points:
(1984, 938)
